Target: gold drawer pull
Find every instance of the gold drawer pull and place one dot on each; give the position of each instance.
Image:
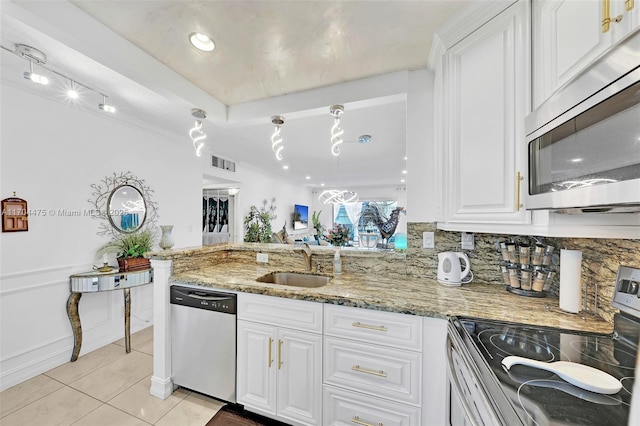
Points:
(606, 18)
(279, 354)
(629, 4)
(270, 360)
(357, 421)
(369, 327)
(379, 373)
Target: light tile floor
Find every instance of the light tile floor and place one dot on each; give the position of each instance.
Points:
(103, 388)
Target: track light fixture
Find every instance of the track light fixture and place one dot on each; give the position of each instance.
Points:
(105, 106)
(276, 137)
(36, 78)
(336, 131)
(37, 57)
(196, 134)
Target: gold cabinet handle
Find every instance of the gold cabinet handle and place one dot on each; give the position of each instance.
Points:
(606, 18)
(369, 327)
(518, 180)
(629, 4)
(270, 357)
(357, 421)
(279, 354)
(379, 373)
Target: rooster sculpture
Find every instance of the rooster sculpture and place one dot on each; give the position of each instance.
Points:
(387, 227)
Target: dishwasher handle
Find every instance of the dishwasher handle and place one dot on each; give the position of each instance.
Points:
(205, 297)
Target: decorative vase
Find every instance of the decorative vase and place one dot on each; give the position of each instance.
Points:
(166, 242)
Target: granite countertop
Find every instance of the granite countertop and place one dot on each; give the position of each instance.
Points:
(403, 294)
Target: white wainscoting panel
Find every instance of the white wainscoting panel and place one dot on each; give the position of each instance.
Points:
(35, 329)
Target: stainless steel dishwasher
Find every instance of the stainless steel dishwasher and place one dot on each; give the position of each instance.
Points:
(203, 341)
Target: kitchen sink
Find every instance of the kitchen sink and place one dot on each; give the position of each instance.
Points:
(295, 279)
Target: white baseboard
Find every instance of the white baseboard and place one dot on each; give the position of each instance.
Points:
(161, 388)
(58, 356)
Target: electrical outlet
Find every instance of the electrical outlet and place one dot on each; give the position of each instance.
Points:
(428, 240)
(262, 257)
(467, 240)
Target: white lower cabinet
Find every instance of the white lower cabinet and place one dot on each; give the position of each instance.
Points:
(280, 368)
(307, 363)
(342, 407)
(372, 367)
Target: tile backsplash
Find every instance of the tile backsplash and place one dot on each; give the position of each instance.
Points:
(600, 260)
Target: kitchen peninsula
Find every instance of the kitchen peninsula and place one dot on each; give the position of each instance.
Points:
(377, 291)
(362, 295)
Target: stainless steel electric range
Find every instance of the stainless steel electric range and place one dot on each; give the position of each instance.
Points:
(481, 391)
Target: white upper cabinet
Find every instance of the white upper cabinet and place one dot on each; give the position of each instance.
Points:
(486, 97)
(568, 35)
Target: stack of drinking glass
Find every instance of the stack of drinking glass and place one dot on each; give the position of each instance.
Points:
(527, 268)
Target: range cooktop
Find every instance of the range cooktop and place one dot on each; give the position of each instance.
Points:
(541, 397)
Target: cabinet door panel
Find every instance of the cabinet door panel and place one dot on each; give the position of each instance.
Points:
(278, 311)
(345, 408)
(300, 376)
(567, 37)
(256, 377)
(385, 372)
(487, 93)
(385, 328)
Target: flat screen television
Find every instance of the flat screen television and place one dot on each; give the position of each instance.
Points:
(300, 217)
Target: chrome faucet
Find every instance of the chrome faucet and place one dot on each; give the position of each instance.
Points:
(306, 252)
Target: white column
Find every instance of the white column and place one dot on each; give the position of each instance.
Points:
(161, 383)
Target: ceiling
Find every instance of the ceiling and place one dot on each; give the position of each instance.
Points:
(294, 58)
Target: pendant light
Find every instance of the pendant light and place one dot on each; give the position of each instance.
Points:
(196, 133)
(276, 137)
(336, 131)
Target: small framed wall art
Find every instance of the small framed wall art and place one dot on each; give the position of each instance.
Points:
(14, 215)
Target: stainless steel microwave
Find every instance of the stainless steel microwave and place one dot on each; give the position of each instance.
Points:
(584, 141)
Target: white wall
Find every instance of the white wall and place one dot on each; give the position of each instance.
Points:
(254, 187)
(51, 153)
(423, 181)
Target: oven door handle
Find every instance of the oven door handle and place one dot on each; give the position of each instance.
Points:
(456, 384)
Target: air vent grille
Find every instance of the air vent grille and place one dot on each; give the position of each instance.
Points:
(223, 164)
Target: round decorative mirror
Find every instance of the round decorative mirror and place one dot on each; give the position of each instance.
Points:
(124, 204)
(127, 209)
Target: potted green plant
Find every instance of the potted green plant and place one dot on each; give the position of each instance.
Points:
(130, 249)
(258, 226)
(315, 220)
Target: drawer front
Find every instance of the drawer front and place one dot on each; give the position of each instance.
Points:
(342, 408)
(385, 328)
(296, 314)
(385, 372)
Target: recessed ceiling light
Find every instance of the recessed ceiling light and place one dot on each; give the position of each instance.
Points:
(322, 184)
(576, 160)
(405, 158)
(404, 172)
(285, 167)
(402, 180)
(307, 177)
(202, 42)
